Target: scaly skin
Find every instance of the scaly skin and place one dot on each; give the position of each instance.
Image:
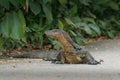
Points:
(71, 53)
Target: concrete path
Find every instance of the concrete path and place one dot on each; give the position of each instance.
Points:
(37, 69)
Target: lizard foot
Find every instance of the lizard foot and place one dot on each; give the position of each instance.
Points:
(57, 62)
(94, 62)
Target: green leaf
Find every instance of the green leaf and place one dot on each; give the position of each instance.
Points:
(70, 22)
(5, 4)
(73, 10)
(6, 25)
(48, 12)
(117, 22)
(110, 34)
(113, 5)
(22, 2)
(87, 30)
(85, 2)
(82, 24)
(73, 33)
(18, 29)
(60, 24)
(91, 14)
(2, 41)
(79, 40)
(95, 28)
(23, 22)
(63, 2)
(15, 3)
(89, 20)
(46, 1)
(102, 24)
(76, 19)
(35, 7)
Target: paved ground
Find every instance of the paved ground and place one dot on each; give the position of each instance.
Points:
(36, 69)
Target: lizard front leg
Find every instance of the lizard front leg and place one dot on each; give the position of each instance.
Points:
(60, 59)
(88, 58)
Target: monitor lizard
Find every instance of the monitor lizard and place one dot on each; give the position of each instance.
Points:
(72, 53)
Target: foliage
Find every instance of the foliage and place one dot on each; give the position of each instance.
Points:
(24, 21)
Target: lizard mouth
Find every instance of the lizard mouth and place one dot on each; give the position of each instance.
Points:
(48, 33)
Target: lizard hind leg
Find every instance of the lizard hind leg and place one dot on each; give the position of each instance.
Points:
(89, 58)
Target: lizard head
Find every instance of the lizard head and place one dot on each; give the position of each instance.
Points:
(54, 33)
